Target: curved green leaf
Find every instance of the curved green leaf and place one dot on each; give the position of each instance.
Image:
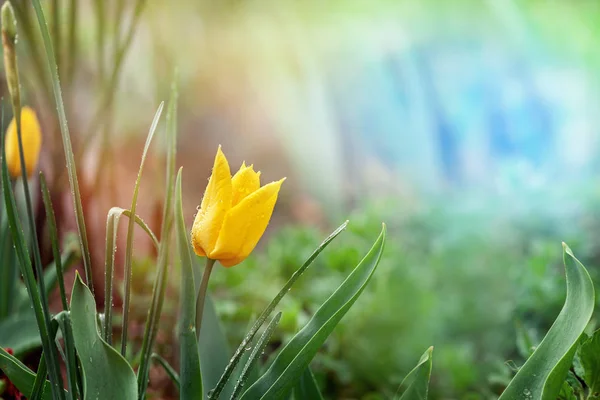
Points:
(21, 376)
(106, 374)
(112, 228)
(416, 384)
(130, 232)
(543, 374)
(293, 359)
(190, 375)
(173, 375)
(307, 388)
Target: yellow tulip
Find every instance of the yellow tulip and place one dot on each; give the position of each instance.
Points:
(31, 135)
(234, 213)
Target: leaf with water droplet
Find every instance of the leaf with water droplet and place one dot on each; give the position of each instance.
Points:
(105, 371)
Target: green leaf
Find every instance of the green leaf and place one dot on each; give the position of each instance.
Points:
(416, 384)
(66, 139)
(112, 228)
(589, 360)
(257, 351)
(293, 359)
(543, 374)
(130, 232)
(164, 251)
(106, 374)
(53, 275)
(239, 352)
(566, 392)
(214, 350)
(307, 388)
(21, 376)
(168, 369)
(20, 333)
(191, 377)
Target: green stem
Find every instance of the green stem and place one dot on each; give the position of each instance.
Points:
(202, 294)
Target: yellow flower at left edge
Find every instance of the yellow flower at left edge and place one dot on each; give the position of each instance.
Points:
(31, 135)
(234, 213)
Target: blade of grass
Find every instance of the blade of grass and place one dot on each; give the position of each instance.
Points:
(129, 246)
(258, 351)
(51, 220)
(160, 282)
(191, 376)
(112, 224)
(267, 311)
(56, 25)
(168, 369)
(42, 371)
(66, 139)
(64, 321)
(72, 43)
(27, 271)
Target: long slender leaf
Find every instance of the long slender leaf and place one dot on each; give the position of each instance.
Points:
(130, 231)
(213, 347)
(160, 281)
(416, 384)
(189, 367)
(257, 351)
(106, 374)
(307, 388)
(66, 139)
(215, 393)
(293, 359)
(21, 376)
(543, 374)
(168, 369)
(42, 371)
(40, 379)
(51, 219)
(64, 321)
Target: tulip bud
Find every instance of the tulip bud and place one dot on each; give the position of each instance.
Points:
(9, 38)
(31, 136)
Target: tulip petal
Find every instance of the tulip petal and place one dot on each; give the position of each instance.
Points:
(244, 182)
(215, 205)
(245, 224)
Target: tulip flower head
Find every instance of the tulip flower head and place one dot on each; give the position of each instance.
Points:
(31, 135)
(234, 213)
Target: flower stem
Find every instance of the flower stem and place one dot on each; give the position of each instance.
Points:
(202, 294)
